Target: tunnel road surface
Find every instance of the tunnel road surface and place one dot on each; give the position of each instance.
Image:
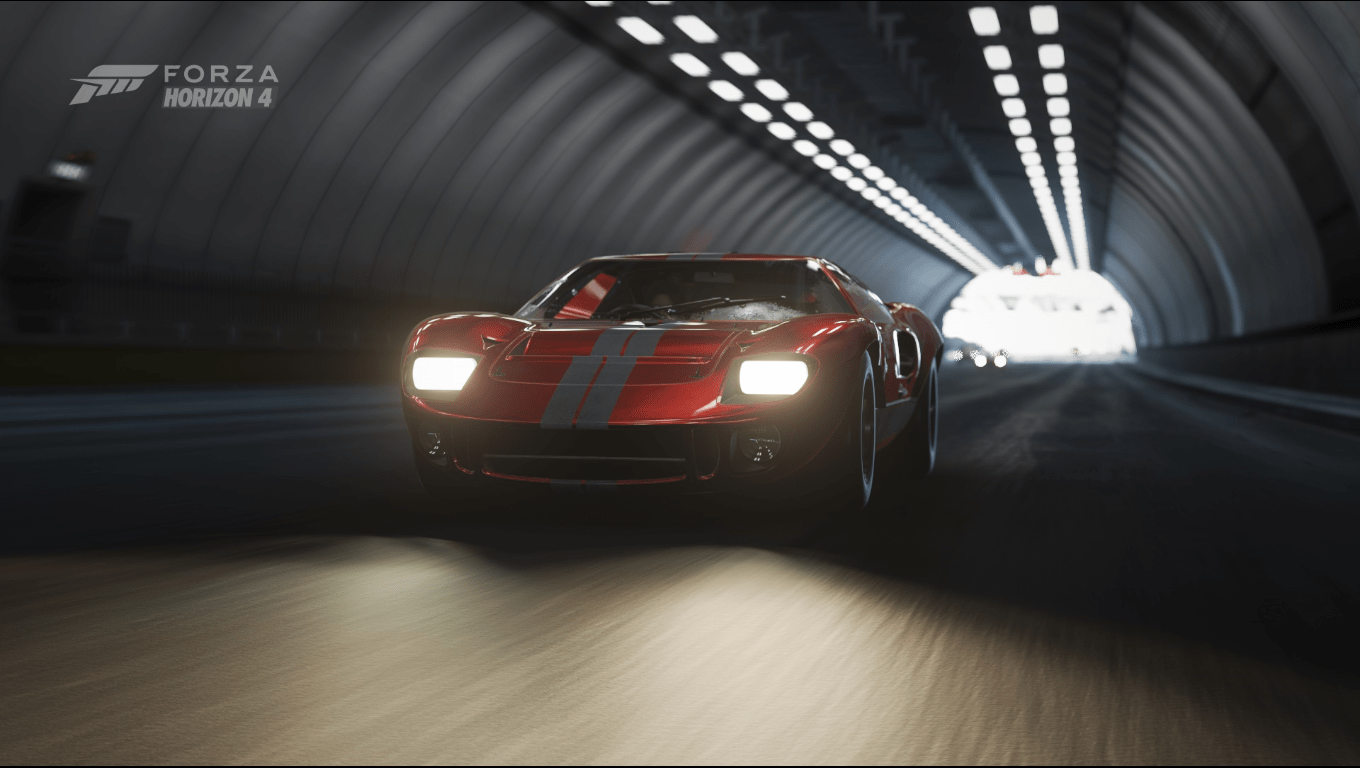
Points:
(1103, 569)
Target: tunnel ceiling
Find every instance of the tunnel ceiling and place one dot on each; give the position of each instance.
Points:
(472, 151)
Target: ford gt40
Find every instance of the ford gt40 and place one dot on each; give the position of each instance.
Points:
(727, 373)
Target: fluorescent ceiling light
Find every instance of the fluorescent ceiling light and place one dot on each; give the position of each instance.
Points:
(882, 200)
(900, 193)
(725, 90)
(740, 63)
(1029, 158)
(886, 184)
(757, 113)
(1070, 182)
(841, 173)
(1059, 107)
(697, 30)
(857, 161)
(1067, 170)
(1026, 144)
(1060, 126)
(820, 130)
(772, 90)
(690, 64)
(797, 111)
(825, 162)
(1006, 85)
(1067, 158)
(599, 3)
(870, 193)
(804, 147)
(856, 183)
(1064, 144)
(782, 131)
(1051, 56)
(997, 56)
(840, 146)
(1020, 127)
(1013, 107)
(872, 173)
(1034, 171)
(1038, 181)
(642, 31)
(1043, 19)
(985, 22)
(1055, 84)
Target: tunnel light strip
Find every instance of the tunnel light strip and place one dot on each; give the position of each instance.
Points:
(1044, 21)
(872, 182)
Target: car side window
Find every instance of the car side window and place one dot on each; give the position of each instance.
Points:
(866, 301)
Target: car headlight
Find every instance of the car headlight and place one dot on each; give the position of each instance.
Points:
(441, 373)
(771, 377)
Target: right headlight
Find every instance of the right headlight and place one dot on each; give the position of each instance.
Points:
(441, 374)
(771, 377)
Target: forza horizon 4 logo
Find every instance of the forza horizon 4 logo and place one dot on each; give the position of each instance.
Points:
(242, 90)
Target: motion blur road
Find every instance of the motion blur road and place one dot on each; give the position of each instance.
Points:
(1104, 568)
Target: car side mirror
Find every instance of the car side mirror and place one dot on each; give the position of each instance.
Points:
(908, 353)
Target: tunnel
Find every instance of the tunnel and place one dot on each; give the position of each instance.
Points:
(222, 221)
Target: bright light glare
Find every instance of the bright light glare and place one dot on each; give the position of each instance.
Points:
(1051, 56)
(772, 90)
(1013, 107)
(805, 147)
(740, 63)
(1059, 107)
(999, 361)
(1043, 19)
(690, 64)
(820, 130)
(697, 30)
(442, 374)
(997, 56)
(725, 90)
(1037, 318)
(642, 31)
(1020, 127)
(796, 111)
(825, 162)
(980, 361)
(1055, 84)
(782, 131)
(756, 112)
(771, 377)
(985, 22)
(1006, 85)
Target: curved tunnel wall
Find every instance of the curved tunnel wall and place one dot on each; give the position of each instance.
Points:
(465, 151)
(1208, 236)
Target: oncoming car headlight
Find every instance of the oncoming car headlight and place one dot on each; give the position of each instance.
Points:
(772, 377)
(441, 374)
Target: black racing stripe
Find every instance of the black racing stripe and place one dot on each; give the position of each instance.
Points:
(604, 395)
(571, 390)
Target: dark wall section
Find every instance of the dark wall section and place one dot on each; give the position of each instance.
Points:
(420, 158)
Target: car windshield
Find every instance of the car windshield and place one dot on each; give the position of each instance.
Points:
(654, 291)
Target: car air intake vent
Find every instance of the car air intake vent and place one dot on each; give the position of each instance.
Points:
(586, 454)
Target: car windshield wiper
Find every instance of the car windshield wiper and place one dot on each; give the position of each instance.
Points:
(688, 306)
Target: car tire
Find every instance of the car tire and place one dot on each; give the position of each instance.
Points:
(918, 445)
(846, 478)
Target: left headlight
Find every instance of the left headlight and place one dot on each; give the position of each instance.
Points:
(442, 374)
(772, 377)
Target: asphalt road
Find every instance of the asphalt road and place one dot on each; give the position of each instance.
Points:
(1103, 569)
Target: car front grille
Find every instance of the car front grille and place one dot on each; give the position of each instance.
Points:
(638, 455)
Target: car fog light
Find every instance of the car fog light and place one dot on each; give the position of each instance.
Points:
(759, 444)
(441, 373)
(772, 377)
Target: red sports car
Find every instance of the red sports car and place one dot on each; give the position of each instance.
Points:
(682, 373)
